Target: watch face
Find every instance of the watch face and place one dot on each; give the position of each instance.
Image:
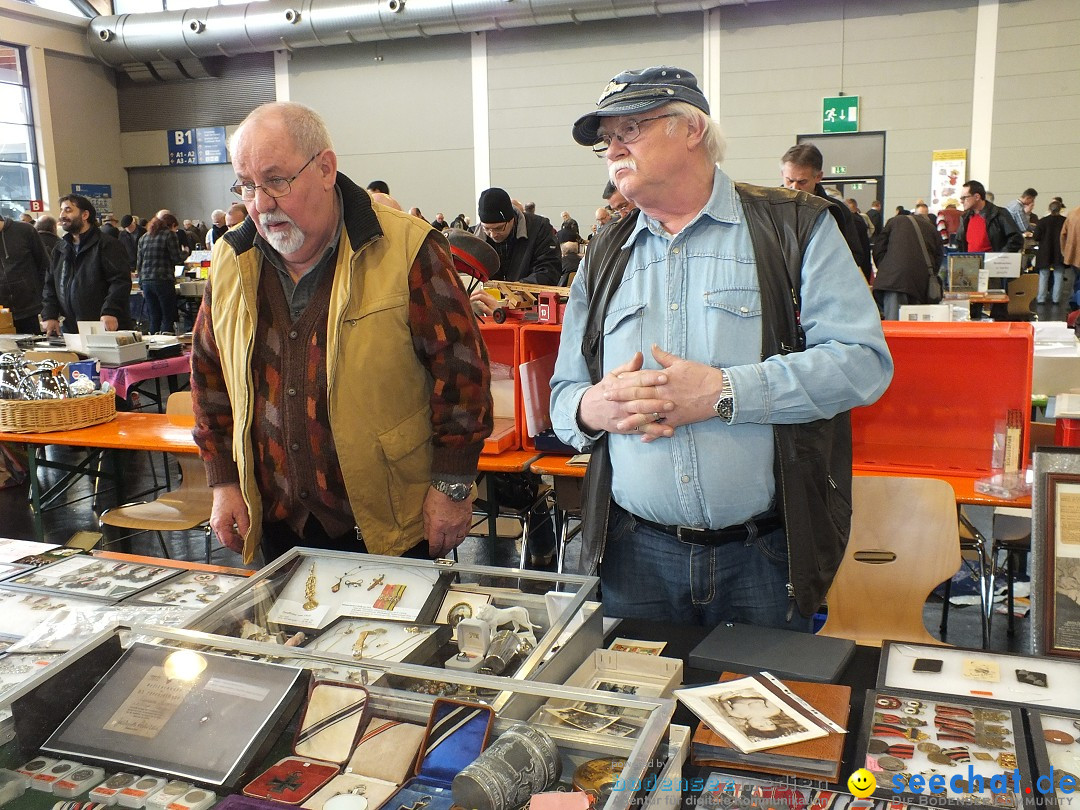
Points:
(725, 408)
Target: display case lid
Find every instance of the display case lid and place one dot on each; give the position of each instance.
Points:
(388, 701)
(306, 591)
(191, 714)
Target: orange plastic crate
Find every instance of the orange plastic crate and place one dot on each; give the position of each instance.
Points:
(952, 382)
(503, 344)
(537, 339)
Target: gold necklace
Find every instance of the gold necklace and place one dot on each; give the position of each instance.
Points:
(309, 590)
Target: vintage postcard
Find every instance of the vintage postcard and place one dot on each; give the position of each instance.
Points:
(751, 714)
(640, 647)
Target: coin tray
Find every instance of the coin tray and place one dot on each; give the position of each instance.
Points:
(194, 799)
(34, 767)
(136, 795)
(108, 791)
(79, 780)
(44, 779)
(169, 793)
(906, 735)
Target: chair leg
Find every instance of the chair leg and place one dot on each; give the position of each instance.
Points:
(1010, 577)
(161, 542)
(525, 525)
(945, 609)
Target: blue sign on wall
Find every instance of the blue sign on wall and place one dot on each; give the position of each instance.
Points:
(199, 146)
(99, 194)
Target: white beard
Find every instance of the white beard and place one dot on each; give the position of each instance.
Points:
(287, 242)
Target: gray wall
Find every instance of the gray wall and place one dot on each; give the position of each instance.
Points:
(912, 71)
(405, 119)
(81, 95)
(403, 110)
(1037, 102)
(541, 81)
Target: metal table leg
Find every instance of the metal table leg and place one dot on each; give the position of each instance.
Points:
(986, 575)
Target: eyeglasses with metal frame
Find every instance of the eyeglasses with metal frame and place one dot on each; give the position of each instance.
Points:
(273, 187)
(627, 132)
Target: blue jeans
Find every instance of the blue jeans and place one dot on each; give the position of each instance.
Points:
(160, 297)
(1044, 284)
(648, 574)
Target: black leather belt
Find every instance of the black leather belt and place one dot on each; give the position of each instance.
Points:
(765, 524)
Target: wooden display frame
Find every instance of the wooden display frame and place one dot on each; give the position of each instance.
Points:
(1055, 543)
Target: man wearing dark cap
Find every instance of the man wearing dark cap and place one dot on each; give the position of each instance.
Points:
(719, 485)
(525, 244)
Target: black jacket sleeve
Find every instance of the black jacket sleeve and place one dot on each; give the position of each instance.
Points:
(545, 263)
(117, 278)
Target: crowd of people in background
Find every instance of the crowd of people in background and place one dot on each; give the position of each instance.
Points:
(894, 254)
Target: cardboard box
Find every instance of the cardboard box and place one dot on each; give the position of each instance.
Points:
(926, 312)
(7, 322)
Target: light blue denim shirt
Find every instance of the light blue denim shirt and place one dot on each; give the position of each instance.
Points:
(696, 294)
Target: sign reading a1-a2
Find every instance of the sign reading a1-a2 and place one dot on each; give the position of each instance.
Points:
(840, 114)
(195, 147)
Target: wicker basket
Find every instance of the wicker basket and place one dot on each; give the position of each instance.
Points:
(48, 415)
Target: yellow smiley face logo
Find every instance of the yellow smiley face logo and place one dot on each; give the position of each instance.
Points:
(862, 783)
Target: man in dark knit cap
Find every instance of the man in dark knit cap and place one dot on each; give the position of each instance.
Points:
(525, 244)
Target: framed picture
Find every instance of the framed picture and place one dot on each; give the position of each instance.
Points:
(1055, 543)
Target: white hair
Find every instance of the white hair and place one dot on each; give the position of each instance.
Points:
(713, 140)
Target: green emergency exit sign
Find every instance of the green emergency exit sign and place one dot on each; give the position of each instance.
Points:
(840, 114)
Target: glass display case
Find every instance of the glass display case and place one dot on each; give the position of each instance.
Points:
(617, 769)
(347, 608)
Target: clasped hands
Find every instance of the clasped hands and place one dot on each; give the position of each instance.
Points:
(651, 402)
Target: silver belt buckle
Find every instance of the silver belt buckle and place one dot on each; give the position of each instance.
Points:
(681, 530)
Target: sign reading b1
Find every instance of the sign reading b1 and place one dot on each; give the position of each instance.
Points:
(840, 114)
(194, 147)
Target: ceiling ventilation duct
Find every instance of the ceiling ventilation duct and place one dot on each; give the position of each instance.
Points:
(130, 40)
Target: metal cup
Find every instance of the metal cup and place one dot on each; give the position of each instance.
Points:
(501, 651)
(521, 762)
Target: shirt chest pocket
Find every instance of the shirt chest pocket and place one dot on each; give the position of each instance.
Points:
(623, 329)
(733, 326)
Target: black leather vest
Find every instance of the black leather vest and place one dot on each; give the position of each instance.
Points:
(813, 459)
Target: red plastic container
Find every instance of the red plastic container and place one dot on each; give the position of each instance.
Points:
(503, 345)
(952, 382)
(537, 340)
(1067, 433)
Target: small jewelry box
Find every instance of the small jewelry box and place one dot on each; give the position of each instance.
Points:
(290, 781)
(457, 733)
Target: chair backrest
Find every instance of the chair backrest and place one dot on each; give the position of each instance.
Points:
(1022, 293)
(904, 543)
(179, 404)
(194, 485)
